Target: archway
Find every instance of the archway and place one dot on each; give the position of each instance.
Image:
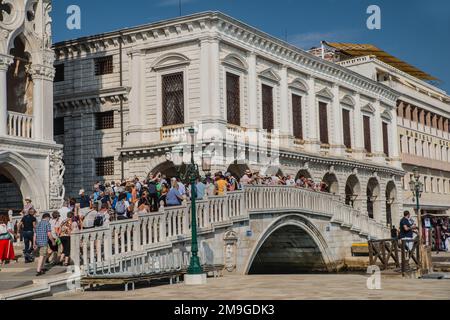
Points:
(373, 199)
(168, 169)
(332, 184)
(391, 203)
(303, 173)
(353, 192)
(291, 245)
(11, 197)
(238, 170)
(19, 80)
(17, 170)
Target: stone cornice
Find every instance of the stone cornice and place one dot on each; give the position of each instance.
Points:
(235, 32)
(91, 98)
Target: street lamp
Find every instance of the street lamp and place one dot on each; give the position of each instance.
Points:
(195, 273)
(416, 188)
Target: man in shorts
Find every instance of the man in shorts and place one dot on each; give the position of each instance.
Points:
(42, 237)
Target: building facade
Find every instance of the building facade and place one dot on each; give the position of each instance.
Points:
(124, 99)
(423, 117)
(31, 162)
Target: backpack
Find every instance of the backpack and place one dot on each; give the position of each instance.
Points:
(152, 188)
(98, 222)
(121, 208)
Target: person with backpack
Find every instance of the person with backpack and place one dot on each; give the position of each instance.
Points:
(27, 227)
(153, 194)
(122, 206)
(102, 217)
(42, 238)
(67, 227)
(6, 241)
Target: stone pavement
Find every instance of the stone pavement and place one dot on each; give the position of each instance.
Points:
(19, 274)
(282, 287)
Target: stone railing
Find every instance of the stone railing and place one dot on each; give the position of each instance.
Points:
(20, 125)
(175, 133)
(159, 231)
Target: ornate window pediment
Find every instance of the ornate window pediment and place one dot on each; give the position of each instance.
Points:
(235, 61)
(386, 115)
(270, 75)
(170, 60)
(325, 93)
(348, 101)
(299, 84)
(368, 108)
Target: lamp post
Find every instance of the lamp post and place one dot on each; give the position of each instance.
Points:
(195, 273)
(416, 188)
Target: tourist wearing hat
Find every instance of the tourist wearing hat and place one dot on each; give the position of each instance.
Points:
(247, 178)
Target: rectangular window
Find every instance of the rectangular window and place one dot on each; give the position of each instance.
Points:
(104, 166)
(323, 122)
(346, 128)
(297, 116)
(58, 126)
(59, 73)
(267, 106)
(103, 65)
(104, 120)
(367, 135)
(233, 99)
(386, 139)
(173, 99)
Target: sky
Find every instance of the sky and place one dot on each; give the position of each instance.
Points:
(416, 31)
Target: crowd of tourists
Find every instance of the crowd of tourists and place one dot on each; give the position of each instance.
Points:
(48, 240)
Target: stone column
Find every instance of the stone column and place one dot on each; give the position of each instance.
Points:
(42, 102)
(214, 65)
(5, 61)
(378, 136)
(312, 143)
(359, 131)
(136, 101)
(285, 126)
(394, 140)
(337, 134)
(252, 92)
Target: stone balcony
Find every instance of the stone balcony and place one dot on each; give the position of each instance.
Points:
(20, 125)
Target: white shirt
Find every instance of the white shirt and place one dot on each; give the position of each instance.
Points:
(181, 188)
(55, 223)
(89, 218)
(63, 213)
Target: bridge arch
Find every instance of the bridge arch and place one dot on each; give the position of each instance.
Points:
(288, 236)
(18, 171)
(332, 183)
(353, 192)
(303, 173)
(373, 193)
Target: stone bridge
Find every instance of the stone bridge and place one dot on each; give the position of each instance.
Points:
(262, 229)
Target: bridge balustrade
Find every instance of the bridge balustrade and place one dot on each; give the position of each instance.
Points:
(159, 231)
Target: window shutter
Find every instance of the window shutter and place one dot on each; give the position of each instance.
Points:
(386, 139)
(297, 116)
(233, 99)
(323, 122)
(367, 138)
(173, 99)
(346, 128)
(267, 104)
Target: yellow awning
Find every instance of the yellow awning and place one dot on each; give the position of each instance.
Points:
(360, 50)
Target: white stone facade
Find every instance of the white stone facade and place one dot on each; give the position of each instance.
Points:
(423, 131)
(27, 148)
(204, 48)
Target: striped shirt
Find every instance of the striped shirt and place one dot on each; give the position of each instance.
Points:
(42, 230)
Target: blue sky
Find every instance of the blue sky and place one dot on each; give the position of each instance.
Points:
(415, 31)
